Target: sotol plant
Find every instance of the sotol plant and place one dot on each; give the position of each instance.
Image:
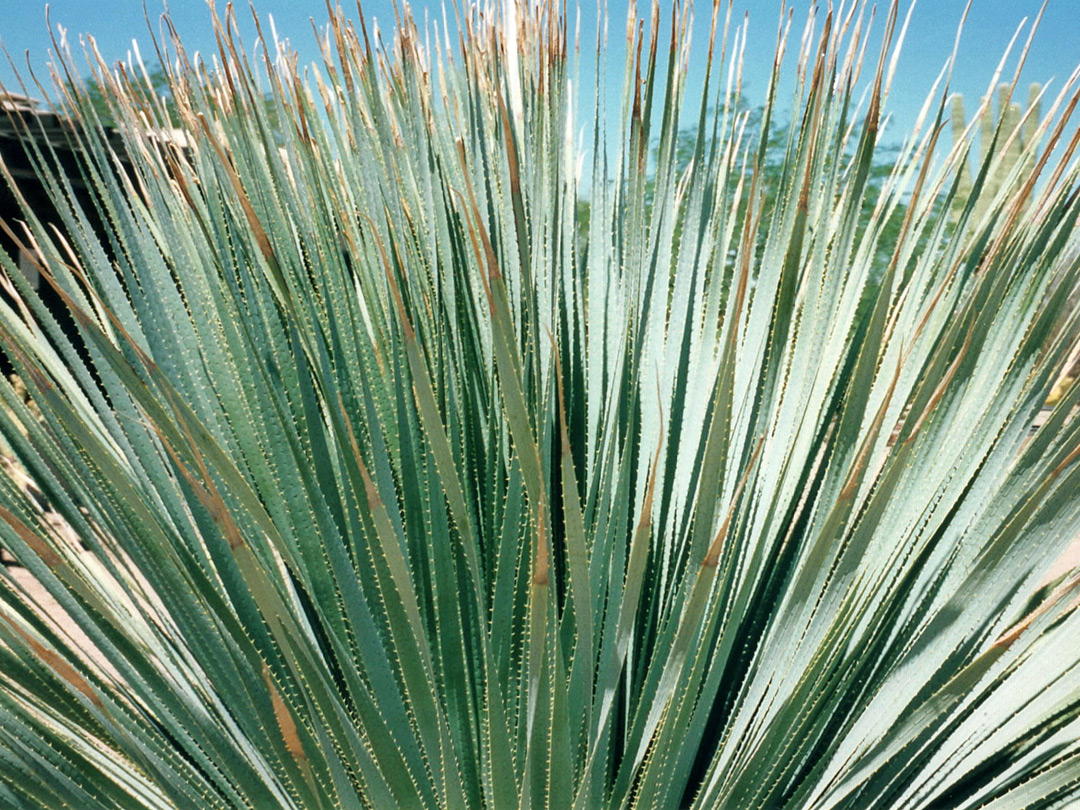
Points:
(376, 482)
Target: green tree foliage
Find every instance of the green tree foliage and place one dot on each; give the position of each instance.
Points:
(382, 483)
(90, 100)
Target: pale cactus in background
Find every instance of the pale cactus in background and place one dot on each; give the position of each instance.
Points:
(1007, 143)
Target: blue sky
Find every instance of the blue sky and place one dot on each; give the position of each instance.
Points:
(991, 23)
